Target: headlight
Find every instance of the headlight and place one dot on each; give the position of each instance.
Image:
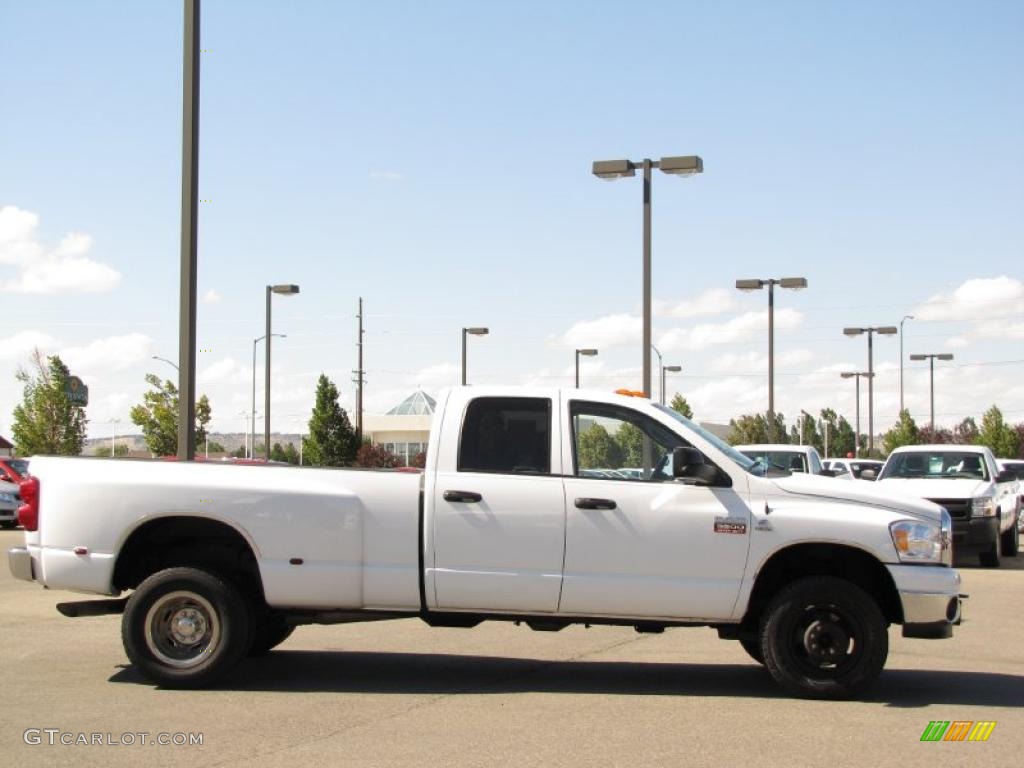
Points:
(983, 506)
(917, 542)
(8, 498)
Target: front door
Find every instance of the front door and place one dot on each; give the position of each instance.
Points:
(499, 518)
(638, 542)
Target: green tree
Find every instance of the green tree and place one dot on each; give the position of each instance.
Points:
(997, 434)
(332, 441)
(277, 453)
(679, 405)
(291, 454)
(904, 432)
(157, 416)
(631, 445)
(45, 421)
(966, 432)
(215, 447)
(120, 450)
(757, 428)
(809, 426)
(598, 450)
(840, 433)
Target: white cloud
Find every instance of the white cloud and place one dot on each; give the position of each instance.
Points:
(211, 297)
(976, 300)
(712, 302)
(226, 370)
(749, 362)
(387, 175)
(604, 332)
(957, 342)
(740, 328)
(20, 345)
(65, 268)
(115, 353)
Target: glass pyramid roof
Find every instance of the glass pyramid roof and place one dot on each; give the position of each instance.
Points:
(419, 403)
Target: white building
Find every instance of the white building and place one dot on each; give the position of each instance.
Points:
(405, 429)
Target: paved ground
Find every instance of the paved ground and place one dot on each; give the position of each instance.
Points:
(399, 693)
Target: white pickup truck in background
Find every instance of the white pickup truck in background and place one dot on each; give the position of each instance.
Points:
(981, 498)
(503, 524)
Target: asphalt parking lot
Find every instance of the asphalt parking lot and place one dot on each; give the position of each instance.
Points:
(399, 693)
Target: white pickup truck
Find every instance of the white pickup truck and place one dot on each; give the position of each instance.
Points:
(503, 524)
(981, 497)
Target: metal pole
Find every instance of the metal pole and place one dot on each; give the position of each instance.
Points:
(647, 279)
(266, 388)
(250, 424)
(771, 358)
(901, 365)
(663, 384)
(463, 357)
(577, 369)
(189, 228)
(871, 394)
(856, 441)
(359, 389)
(931, 376)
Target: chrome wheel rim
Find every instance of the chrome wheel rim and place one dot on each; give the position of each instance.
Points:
(182, 629)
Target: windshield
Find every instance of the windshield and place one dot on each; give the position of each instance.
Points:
(934, 465)
(19, 465)
(791, 461)
(749, 465)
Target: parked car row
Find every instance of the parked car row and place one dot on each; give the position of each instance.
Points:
(12, 472)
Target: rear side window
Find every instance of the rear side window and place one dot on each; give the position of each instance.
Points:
(510, 435)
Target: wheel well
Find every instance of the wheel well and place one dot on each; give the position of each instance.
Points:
(197, 542)
(845, 562)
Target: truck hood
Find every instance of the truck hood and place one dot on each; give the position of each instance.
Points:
(935, 488)
(858, 493)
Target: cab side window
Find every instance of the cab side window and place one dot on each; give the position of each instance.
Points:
(507, 435)
(615, 443)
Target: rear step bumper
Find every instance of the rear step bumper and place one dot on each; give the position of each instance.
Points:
(19, 560)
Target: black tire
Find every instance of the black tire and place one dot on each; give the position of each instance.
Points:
(1010, 541)
(825, 638)
(269, 633)
(990, 557)
(185, 627)
(752, 646)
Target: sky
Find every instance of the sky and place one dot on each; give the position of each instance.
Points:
(435, 159)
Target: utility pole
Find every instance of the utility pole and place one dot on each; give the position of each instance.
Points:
(360, 374)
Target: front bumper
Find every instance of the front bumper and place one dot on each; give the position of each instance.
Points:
(930, 595)
(974, 534)
(19, 560)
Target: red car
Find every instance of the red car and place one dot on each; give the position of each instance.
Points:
(13, 470)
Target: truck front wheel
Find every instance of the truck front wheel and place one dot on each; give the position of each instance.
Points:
(1010, 540)
(185, 627)
(824, 637)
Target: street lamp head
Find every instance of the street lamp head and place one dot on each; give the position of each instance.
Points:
(796, 283)
(853, 331)
(888, 330)
(609, 170)
(750, 285)
(284, 290)
(586, 352)
(688, 165)
(673, 368)
(847, 374)
(477, 331)
(945, 356)
(917, 358)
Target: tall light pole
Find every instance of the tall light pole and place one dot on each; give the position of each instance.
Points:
(188, 259)
(282, 290)
(253, 422)
(857, 375)
(113, 422)
(931, 358)
(902, 321)
(585, 353)
(609, 170)
(884, 330)
(792, 283)
(469, 332)
(667, 369)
